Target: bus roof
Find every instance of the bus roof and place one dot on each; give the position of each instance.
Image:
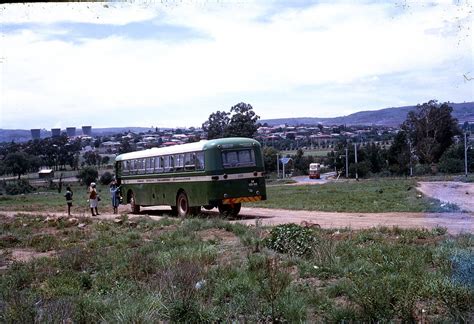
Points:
(231, 142)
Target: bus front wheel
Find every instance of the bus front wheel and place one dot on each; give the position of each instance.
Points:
(133, 204)
(182, 205)
(229, 210)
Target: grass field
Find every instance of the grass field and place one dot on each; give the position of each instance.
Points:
(317, 153)
(52, 201)
(201, 270)
(383, 195)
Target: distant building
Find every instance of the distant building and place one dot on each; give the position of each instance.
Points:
(71, 131)
(46, 174)
(36, 133)
(87, 130)
(55, 132)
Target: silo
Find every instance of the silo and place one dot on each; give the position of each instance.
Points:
(55, 132)
(36, 133)
(87, 130)
(71, 131)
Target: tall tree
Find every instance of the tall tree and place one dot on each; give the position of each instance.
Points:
(431, 129)
(216, 125)
(17, 163)
(244, 121)
(399, 154)
(241, 123)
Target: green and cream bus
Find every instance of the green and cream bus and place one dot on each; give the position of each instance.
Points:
(220, 173)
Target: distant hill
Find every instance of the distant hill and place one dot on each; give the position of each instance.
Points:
(383, 117)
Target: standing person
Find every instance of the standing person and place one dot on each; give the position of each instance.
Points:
(115, 193)
(93, 199)
(68, 196)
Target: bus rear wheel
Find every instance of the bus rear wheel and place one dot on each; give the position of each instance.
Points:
(230, 210)
(182, 205)
(133, 204)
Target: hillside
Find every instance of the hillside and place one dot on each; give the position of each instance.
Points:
(384, 117)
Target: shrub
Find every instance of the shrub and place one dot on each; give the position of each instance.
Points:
(106, 178)
(88, 175)
(291, 239)
(19, 187)
(451, 165)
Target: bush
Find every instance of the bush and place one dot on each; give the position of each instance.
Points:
(451, 165)
(88, 175)
(422, 169)
(292, 239)
(19, 187)
(106, 178)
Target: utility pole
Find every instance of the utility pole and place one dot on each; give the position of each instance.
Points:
(411, 164)
(355, 150)
(465, 153)
(347, 163)
(278, 165)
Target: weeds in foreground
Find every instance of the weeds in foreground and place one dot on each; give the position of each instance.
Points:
(164, 271)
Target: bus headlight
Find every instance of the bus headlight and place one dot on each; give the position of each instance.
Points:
(258, 193)
(226, 195)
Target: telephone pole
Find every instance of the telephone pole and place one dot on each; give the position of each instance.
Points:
(465, 153)
(347, 163)
(355, 150)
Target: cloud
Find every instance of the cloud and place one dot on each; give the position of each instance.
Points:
(178, 64)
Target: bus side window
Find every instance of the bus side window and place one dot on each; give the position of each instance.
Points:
(179, 162)
(158, 165)
(125, 167)
(167, 164)
(132, 167)
(189, 163)
(199, 161)
(141, 166)
(150, 165)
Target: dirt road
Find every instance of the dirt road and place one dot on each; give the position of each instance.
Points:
(458, 193)
(454, 222)
(453, 192)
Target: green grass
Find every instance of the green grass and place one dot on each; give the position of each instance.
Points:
(51, 201)
(384, 195)
(316, 153)
(177, 271)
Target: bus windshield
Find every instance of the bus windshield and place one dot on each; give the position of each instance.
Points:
(238, 158)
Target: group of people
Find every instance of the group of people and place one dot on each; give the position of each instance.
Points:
(94, 198)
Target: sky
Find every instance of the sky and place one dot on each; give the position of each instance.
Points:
(173, 63)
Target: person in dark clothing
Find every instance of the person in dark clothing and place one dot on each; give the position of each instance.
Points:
(68, 196)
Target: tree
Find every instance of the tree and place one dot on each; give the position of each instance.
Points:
(17, 163)
(244, 121)
(431, 129)
(241, 123)
(88, 175)
(216, 125)
(91, 158)
(399, 154)
(269, 159)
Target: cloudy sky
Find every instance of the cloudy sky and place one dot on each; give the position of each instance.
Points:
(172, 63)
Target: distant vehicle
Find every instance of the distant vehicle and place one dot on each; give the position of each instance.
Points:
(220, 173)
(314, 171)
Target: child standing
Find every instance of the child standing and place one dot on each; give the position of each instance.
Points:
(93, 199)
(68, 196)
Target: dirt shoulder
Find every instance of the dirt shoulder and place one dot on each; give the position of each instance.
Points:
(458, 193)
(454, 222)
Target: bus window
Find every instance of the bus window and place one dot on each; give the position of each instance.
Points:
(150, 165)
(125, 167)
(179, 162)
(199, 161)
(141, 166)
(158, 164)
(241, 158)
(132, 166)
(189, 163)
(168, 162)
